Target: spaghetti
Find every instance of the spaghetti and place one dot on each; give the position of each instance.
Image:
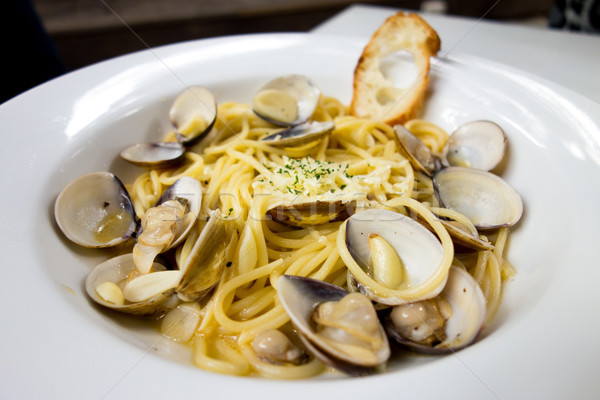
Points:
(244, 178)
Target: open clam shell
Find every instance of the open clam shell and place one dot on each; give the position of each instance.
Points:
(299, 134)
(418, 154)
(193, 113)
(306, 214)
(466, 239)
(462, 237)
(95, 210)
(476, 144)
(485, 199)
(117, 270)
(204, 266)
(420, 252)
(286, 101)
(169, 222)
(189, 191)
(468, 307)
(300, 297)
(153, 155)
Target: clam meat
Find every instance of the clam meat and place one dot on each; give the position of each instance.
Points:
(159, 227)
(275, 347)
(340, 328)
(166, 224)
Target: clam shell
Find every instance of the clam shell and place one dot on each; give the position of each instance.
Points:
(300, 134)
(153, 155)
(419, 249)
(189, 190)
(476, 144)
(204, 266)
(306, 214)
(417, 153)
(300, 297)
(299, 88)
(95, 210)
(485, 199)
(116, 270)
(466, 239)
(462, 239)
(468, 315)
(196, 105)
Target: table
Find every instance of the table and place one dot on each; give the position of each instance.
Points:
(569, 59)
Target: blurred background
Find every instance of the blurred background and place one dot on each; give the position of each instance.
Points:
(86, 31)
(56, 36)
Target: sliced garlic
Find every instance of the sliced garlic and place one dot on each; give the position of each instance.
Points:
(111, 293)
(150, 285)
(387, 266)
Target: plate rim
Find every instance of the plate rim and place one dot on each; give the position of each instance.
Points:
(350, 386)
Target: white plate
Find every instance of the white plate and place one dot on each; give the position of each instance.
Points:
(56, 344)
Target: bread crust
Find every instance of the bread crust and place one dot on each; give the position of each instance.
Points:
(374, 96)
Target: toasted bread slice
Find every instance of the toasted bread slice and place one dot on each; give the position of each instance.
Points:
(375, 96)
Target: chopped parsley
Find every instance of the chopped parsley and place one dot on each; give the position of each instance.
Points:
(307, 176)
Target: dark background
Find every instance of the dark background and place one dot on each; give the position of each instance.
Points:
(45, 38)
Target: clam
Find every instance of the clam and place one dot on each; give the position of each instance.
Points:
(310, 213)
(151, 155)
(115, 284)
(399, 260)
(476, 144)
(444, 324)
(299, 134)
(484, 198)
(168, 223)
(275, 347)
(95, 210)
(203, 267)
(339, 328)
(462, 237)
(193, 114)
(417, 153)
(286, 101)
(187, 190)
